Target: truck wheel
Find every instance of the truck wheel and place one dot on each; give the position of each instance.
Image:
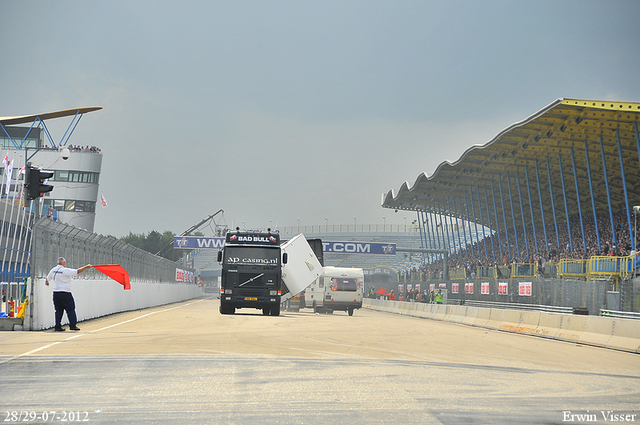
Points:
(227, 309)
(275, 311)
(350, 312)
(265, 311)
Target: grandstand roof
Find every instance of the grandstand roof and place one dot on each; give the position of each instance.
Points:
(566, 130)
(28, 119)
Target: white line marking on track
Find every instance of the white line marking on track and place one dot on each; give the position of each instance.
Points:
(44, 347)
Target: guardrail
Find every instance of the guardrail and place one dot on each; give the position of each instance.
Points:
(517, 306)
(619, 314)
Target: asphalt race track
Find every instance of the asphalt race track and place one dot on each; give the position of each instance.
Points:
(186, 363)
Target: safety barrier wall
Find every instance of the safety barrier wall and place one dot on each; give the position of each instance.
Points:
(97, 297)
(615, 333)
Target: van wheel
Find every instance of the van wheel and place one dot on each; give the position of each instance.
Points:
(350, 312)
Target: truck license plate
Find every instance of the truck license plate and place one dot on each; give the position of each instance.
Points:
(250, 298)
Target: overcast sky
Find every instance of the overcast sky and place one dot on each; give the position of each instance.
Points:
(279, 111)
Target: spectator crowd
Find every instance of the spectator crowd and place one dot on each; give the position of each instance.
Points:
(499, 251)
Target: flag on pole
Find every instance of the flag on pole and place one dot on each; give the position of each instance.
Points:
(103, 201)
(8, 171)
(5, 161)
(115, 272)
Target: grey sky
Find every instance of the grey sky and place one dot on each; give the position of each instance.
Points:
(279, 110)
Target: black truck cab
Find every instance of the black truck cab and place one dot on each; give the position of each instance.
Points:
(251, 272)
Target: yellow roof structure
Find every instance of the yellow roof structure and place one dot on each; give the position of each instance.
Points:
(566, 132)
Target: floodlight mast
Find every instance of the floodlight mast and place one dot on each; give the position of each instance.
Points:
(190, 230)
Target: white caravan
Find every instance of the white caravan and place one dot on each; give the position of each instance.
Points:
(338, 288)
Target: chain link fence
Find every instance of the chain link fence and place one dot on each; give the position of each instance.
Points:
(556, 292)
(79, 247)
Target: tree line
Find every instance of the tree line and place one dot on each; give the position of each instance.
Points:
(153, 242)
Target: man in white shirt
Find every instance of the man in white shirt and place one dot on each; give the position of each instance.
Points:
(62, 298)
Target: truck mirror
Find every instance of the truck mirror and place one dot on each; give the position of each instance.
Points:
(285, 257)
(219, 256)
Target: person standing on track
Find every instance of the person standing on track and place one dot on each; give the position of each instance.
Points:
(62, 297)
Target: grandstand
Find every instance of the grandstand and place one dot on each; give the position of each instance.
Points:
(561, 170)
(550, 202)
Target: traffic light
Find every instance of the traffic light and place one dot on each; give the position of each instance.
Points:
(34, 182)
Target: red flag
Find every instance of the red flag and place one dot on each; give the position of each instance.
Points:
(381, 291)
(115, 272)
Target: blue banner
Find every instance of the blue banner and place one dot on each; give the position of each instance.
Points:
(201, 242)
(360, 247)
(197, 242)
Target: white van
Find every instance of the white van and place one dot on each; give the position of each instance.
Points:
(338, 288)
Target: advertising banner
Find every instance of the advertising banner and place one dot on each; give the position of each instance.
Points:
(524, 289)
(502, 288)
(197, 242)
(484, 288)
(201, 242)
(360, 247)
(184, 276)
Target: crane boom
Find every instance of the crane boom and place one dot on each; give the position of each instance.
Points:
(190, 230)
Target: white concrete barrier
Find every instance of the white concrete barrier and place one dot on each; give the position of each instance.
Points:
(615, 333)
(96, 298)
(455, 313)
(549, 324)
(483, 318)
(571, 327)
(511, 322)
(439, 311)
(471, 315)
(625, 334)
(596, 331)
(495, 318)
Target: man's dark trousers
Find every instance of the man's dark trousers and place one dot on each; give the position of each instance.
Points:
(63, 301)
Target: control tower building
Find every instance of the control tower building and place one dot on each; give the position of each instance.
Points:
(76, 167)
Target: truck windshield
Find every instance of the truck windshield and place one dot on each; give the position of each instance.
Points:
(251, 256)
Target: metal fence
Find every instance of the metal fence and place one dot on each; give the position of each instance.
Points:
(556, 292)
(79, 247)
(32, 247)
